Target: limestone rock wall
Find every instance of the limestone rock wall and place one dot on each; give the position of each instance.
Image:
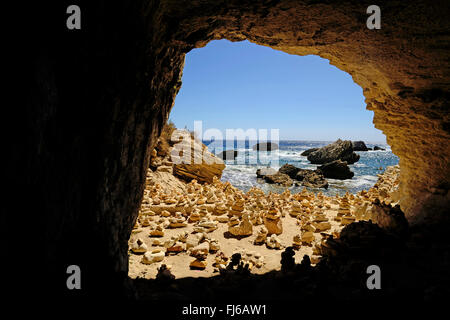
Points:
(194, 160)
(98, 98)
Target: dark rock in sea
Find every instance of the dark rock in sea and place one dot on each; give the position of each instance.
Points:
(228, 155)
(261, 173)
(311, 178)
(314, 179)
(359, 146)
(378, 148)
(287, 173)
(307, 177)
(336, 169)
(307, 152)
(279, 178)
(338, 150)
(265, 146)
(368, 149)
(302, 173)
(290, 170)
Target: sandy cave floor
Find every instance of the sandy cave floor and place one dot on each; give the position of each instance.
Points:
(179, 263)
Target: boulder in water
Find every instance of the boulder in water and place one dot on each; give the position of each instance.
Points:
(338, 150)
(336, 170)
(308, 151)
(228, 155)
(290, 170)
(265, 146)
(311, 178)
(359, 146)
(261, 173)
(302, 173)
(279, 178)
(315, 179)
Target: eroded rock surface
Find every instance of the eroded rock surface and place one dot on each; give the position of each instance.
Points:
(88, 172)
(309, 151)
(279, 178)
(287, 173)
(336, 169)
(338, 150)
(289, 169)
(261, 173)
(359, 146)
(311, 178)
(192, 160)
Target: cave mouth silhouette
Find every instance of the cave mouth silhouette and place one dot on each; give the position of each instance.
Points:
(197, 81)
(99, 98)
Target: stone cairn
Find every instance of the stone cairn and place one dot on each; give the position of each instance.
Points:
(251, 214)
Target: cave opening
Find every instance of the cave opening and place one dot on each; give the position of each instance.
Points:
(100, 97)
(231, 92)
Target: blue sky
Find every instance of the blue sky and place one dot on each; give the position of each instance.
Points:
(244, 85)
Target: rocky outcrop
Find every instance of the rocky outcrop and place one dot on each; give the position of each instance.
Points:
(336, 169)
(166, 180)
(305, 177)
(178, 154)
(265, 146)
(279, 178)
(359, 146)
(387, 185)
(338, 150)
(290, 170)
(287, 173)
(261, 173)
(302, 173)
(160, 155)
(228, 155)
(308, 151)
(378, 148)
(311, 178)
(192, 160)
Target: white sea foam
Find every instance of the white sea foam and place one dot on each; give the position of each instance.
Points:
(242, 172)
(359, 165)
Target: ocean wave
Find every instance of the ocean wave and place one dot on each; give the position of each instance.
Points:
(359, 165)
(242, 173)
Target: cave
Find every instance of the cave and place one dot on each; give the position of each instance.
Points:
(98, 97)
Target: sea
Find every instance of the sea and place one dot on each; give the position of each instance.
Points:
(241, 172)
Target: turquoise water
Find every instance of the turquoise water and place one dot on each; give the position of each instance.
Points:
(242, 172)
